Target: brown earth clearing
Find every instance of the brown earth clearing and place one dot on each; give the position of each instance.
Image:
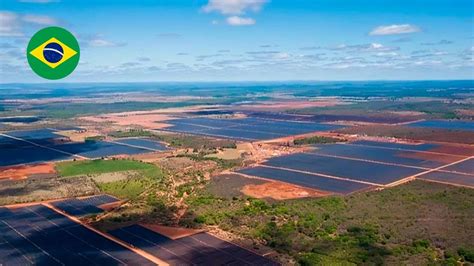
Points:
(280, 191)
(45, 188)
(172, 232)
(24, 171)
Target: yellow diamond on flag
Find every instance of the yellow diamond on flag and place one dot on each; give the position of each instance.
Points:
(53, 52)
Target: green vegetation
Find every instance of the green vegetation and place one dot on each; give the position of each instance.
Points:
(397, 225)
(126, 189)
(100, 166)
(95, 138)
(316, 140)
(60, 110)
(435, 109)
(132, 133)
(145, 176)
(223, 164)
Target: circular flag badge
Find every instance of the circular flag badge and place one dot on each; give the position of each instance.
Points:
(53, 53)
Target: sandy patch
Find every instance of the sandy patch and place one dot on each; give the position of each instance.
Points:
(110, 206)
(24, 171)
(466, 112)
(79, 136)
(150, 121)
(280, 191)
(171, 232)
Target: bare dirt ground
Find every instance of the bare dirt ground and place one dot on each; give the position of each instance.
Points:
(110, 206)
(232, 154)
(172, 232)
(280, 191)
(80, 135)
(150, 157)
(24, 171)
(42, 188)
(154, 119)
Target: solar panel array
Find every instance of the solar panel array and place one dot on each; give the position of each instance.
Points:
(37, 235)
(35, 146)
(82, 207)
(198, 249)
(245, 128)
(349, 167)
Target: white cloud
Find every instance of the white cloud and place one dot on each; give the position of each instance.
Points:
(41, 20)
(240, 21)
(394, 29)
(234, 7)
(103, 43)
(9, 25)
(369, 47)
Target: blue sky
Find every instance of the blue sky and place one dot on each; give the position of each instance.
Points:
(245, 40)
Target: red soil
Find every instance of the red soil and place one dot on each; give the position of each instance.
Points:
(280, 191)
(24, 171)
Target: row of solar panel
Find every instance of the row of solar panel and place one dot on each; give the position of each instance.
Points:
(37, 235)
(86, 206)
(198, 249)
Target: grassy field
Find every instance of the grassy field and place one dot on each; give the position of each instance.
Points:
(99, 167)
(417, 223)
(141, 176)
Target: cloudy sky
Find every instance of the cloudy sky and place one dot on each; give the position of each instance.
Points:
(229, 40)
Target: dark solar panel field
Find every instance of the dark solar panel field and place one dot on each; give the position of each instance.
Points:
(36, 146)
(86, 206)
(466, 167)
(13, 152)
(144, 143)
(98, 149)
(400, 146)
(380, 174)
(37, 235)
(306, 180)
(373, 153)
(245, 128)
(446, 124)
(349, 167)
(451, 178)
(20, 119)
(199, 249)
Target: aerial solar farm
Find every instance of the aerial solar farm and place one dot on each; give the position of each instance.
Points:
(220, 174)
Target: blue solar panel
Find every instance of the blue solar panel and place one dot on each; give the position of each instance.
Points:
(245, 128)
(31, 235)
(306, 180)
(143, 142)
(199, 249)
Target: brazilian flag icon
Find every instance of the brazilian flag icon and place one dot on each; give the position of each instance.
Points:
(53, 53)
